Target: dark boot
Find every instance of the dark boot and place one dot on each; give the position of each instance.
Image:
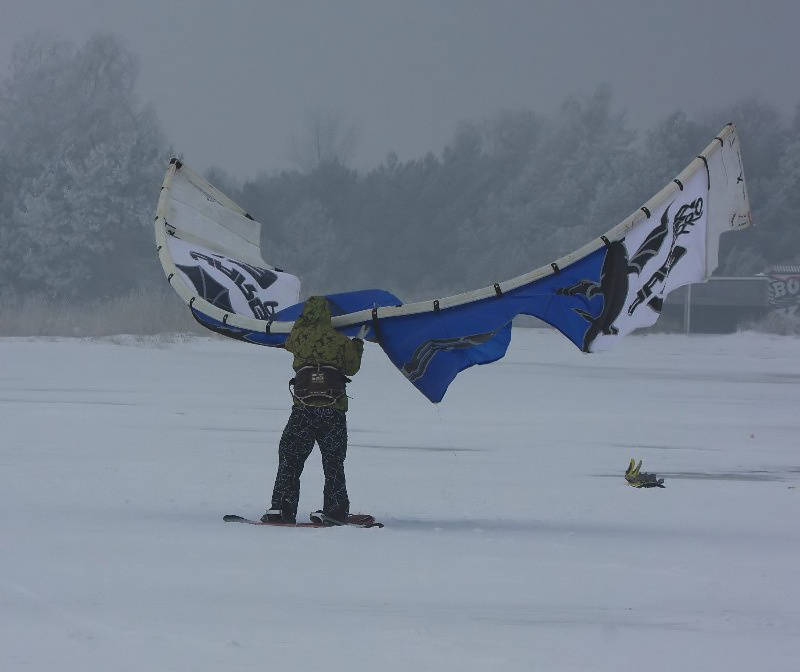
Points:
(277, 516)
(329, 519)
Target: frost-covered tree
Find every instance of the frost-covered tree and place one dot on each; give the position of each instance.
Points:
(769, 153)
(670, 145)
(311, 251)
(579, 179)
(515, 192)
(81, 163)
(778, 217)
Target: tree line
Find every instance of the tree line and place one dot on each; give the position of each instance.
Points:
(82, 159)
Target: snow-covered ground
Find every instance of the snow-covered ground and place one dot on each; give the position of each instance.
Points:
(511, 542)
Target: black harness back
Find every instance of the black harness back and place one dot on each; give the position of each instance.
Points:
(319, 385)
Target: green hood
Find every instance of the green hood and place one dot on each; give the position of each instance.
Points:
(316, 312)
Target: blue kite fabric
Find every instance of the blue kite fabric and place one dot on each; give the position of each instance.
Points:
(432, 348)
(596, 295)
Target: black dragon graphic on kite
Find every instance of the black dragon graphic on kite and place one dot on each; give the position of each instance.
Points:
(617, 268)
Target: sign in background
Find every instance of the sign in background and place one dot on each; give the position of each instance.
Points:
(784, 289)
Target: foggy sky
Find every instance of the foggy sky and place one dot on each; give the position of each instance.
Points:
(235, 82)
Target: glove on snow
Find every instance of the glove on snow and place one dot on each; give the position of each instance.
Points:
(642, 480)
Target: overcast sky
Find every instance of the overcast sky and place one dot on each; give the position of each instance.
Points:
(234, 81)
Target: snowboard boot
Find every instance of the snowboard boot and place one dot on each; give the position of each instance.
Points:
(329, 519)
(277, 516)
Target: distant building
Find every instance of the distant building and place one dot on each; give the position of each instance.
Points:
(718, 306)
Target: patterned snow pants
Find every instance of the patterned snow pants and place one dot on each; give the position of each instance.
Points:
(307, 424)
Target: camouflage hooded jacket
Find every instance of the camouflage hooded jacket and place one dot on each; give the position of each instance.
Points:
(314, 341)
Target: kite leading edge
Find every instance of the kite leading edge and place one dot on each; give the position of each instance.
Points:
(209, 248)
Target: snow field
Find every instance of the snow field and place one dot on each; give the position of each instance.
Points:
(511, 539)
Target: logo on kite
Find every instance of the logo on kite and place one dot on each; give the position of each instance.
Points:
(618, 273)
(421, 359)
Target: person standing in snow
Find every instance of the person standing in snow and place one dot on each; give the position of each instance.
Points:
(323, 360)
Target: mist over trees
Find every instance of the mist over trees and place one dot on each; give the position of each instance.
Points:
(514, 192)
(82, 159)
(80, 165)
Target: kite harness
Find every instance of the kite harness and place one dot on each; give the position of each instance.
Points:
(318, 385)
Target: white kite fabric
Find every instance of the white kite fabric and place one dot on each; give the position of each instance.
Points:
(678, 243)
(676, 232)
(210, 249)
(617, 283)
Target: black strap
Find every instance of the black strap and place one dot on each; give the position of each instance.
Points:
(376, 326)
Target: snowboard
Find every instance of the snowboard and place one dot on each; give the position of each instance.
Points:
(317, 520)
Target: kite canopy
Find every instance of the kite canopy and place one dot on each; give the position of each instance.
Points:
(209, 248)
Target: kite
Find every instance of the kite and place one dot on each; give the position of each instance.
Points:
(210, 250)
